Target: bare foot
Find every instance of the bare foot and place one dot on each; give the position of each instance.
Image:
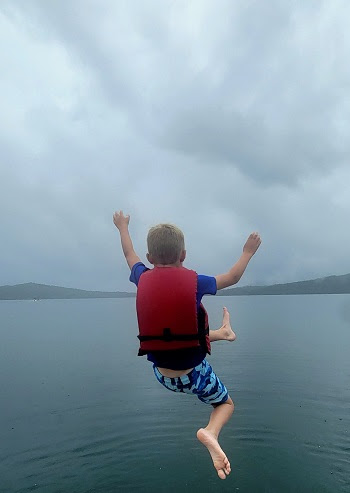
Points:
(218, 456)
(227, 333)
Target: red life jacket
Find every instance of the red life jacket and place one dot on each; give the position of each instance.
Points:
(167, 311)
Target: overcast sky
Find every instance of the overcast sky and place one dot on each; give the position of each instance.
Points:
(223, 117)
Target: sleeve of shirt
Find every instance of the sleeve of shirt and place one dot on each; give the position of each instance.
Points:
(136, 272)
(206, 285)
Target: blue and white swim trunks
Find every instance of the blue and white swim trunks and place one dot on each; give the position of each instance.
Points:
(201, 381)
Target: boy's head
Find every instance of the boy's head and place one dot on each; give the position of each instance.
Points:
(166, 245)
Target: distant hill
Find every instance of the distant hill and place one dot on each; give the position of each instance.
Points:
(323, 285)
(30, 291)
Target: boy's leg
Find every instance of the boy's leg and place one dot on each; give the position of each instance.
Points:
(222, 412)
(225, 333)
(210, 434)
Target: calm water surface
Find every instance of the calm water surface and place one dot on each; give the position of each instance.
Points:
(80, 412)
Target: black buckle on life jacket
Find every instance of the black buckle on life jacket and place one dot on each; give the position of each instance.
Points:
(167, 335)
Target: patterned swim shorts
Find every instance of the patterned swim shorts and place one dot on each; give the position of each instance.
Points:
(201, 381)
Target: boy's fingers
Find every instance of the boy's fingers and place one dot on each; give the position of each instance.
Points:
(120, 214)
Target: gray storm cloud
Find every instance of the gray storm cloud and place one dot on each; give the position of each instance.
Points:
(222, 117)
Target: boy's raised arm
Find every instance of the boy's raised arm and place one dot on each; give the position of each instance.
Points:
(122, 223)
(235, 273)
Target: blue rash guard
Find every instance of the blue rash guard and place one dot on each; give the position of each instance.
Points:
(179, 359)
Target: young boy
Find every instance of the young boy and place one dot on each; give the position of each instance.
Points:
(173, 325)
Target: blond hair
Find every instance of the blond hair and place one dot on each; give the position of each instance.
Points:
(165, 243)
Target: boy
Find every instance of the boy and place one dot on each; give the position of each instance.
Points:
(174, 330)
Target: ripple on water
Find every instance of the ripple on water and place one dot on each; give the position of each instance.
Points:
(262, 436)
(336, 451)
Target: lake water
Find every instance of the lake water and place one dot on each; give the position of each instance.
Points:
(80, 412)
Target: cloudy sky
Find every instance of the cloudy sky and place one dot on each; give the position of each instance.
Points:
(223, 117)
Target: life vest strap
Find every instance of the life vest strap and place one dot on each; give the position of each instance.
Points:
(168, 336)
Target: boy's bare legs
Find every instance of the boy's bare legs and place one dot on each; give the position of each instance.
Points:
(225, 333)
(222, 412)
(209, 437)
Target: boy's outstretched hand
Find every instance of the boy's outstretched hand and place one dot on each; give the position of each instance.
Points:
(120, 220)
(252, 244)
(235, 273)
(122, 223)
